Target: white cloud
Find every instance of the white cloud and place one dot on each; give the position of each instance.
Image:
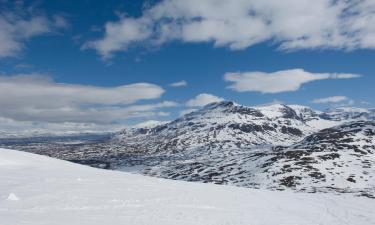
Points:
(276, 82)
(238, 24)
(60, 22)
(37, 98)
(19, 25)
(350, 102)
(41, 91)
(119, 35)
(202, 100)
(365, 103)
(181, 83)
(331, 99)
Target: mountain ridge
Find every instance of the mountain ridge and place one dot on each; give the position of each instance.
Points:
(259, 147)
(273, 147)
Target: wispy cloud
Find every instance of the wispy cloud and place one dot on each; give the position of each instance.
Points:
(181, 83)
(331, 99)
(202, 100)
(38, 98)
(239, 24)
(280, 81)
(18, 25)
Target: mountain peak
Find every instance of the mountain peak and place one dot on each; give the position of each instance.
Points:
(220, 104)
(278, 111)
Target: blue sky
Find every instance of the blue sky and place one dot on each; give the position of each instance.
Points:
(98, 46)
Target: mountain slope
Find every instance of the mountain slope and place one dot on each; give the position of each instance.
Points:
(340, 158)
(227, 125)
(225, 143)
(39, 190)
(222, 125)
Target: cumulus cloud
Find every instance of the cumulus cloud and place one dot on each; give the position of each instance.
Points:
(38, 98)
(238, 24)
(331, 99)
(120, 34)
(276, 82)
(181, 83)
(202, 100)
(17, 25)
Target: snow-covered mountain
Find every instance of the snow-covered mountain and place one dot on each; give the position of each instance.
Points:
(349, 113)
(40, 190)
(225, 125)
(275, 147)
(340, 158)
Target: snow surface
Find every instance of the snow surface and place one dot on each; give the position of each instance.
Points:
(51, 191)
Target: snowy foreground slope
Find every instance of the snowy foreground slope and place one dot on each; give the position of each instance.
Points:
(40, 190)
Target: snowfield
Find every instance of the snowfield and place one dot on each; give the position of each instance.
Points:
(40, 190)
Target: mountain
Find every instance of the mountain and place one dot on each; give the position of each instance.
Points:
(40, 190)
(349, 113)
(340, 158)
(275, 147)
(148, 124)
(227, 125)
(222, 125)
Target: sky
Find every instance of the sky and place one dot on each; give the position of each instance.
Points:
(101, 65)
